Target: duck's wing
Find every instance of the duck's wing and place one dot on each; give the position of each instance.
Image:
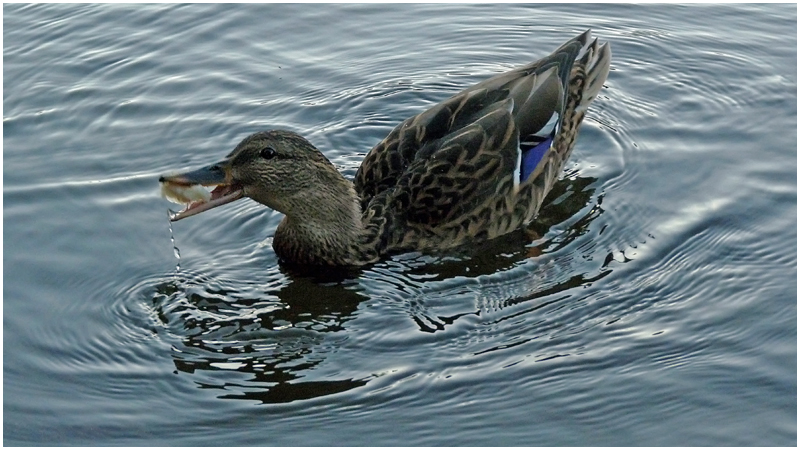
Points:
(522, 106)
(457, 175)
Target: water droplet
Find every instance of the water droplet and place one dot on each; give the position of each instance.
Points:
(176, 251)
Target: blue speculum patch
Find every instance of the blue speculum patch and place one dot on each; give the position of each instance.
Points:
(534, 147)
(531, 158)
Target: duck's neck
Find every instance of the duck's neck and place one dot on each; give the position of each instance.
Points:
(324, 230)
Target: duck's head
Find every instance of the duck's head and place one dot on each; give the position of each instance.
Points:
(279, 169)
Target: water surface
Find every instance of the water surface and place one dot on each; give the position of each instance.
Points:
(653, 302)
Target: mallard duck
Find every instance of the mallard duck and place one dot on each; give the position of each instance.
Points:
(474, 167)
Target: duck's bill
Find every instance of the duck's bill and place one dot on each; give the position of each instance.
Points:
(189, 189)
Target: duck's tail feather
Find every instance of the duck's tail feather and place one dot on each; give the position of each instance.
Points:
(595, 61)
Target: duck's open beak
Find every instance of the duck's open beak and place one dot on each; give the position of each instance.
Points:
(217, 175)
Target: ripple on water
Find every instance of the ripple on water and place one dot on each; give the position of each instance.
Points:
(659, 278)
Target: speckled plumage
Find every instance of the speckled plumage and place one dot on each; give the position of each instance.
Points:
(448, 176)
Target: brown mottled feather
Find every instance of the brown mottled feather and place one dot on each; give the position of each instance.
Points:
(447, 172)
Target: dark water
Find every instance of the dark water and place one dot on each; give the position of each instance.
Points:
(654, 302)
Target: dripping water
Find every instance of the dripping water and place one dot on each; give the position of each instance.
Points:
(175, 248)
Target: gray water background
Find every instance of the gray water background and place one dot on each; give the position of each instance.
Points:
(654, 301)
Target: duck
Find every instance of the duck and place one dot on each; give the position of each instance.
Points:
(476, 166)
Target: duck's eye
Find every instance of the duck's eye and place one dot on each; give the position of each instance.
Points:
(268, 153)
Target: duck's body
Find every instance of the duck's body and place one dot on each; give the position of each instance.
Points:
(471, 168)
